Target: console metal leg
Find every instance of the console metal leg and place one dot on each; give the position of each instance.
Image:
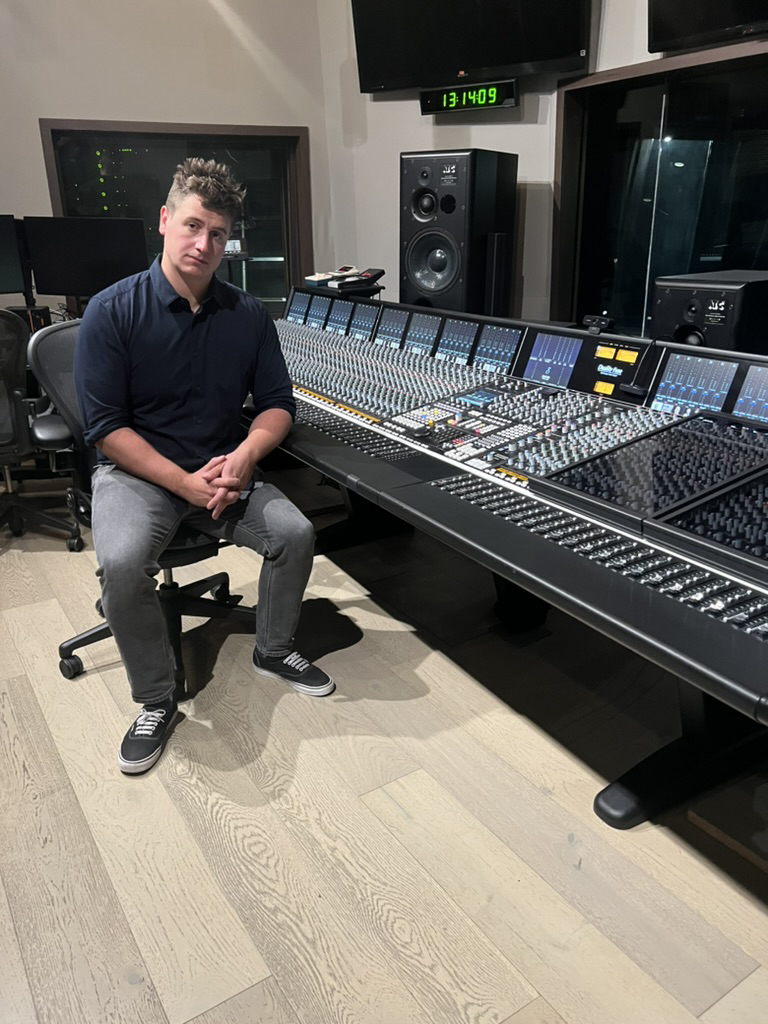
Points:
(716, 744)
(520, 611)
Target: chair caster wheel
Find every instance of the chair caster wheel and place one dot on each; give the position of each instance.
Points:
(75, 544)
(18, 533)
(223, 595)
(71, 667)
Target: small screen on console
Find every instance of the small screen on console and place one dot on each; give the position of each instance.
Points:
(552, 359)
(496, 348)
(338, 318)
(363, 320)
(421, 334)
(298, 308)
(456, 341)
(752, 403)
(318, 311)
(391, 327)
(693, 384)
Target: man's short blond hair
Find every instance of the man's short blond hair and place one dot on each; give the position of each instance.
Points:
(212, 183)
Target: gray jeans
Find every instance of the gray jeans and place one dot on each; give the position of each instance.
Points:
(133, 522)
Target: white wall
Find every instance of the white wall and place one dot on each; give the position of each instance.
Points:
(192, 61)
(288, 62)
(366, 135)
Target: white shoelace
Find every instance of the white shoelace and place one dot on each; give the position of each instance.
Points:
(147, 722)
(295, 660)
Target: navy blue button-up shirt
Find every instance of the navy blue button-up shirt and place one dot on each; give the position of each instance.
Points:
(143, 360)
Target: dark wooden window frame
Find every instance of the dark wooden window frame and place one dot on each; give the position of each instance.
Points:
(569, 155)
(300, 253)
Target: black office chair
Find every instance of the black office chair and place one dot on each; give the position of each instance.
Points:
(51, 356)
(18, 440)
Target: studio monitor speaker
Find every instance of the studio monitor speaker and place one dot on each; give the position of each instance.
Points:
(726, 309)
(457, 219)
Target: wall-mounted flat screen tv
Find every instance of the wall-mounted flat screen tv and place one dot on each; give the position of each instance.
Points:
(688, 24)
(434, 43)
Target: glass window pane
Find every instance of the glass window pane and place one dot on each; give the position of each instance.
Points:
(127, 174)
(675, 182)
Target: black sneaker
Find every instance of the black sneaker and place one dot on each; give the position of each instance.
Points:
(143, 743)
(300, 673)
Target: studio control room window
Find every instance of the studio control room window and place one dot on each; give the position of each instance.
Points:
(667, 174)
(111, 169)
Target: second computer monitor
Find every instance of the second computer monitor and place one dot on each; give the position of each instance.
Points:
(80, 256)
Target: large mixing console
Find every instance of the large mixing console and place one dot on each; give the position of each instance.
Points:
(524, 447)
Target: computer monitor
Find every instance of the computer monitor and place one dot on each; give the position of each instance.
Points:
(82, 255)
(12, 277)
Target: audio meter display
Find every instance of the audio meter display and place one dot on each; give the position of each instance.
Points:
(297, 310)
(338, 318)
(691, 384)
(363, 320)
(421, 333)
(318, 311)
(496, 348)
(456, 341)
(391, 327)
(552, 359)
(752, 403)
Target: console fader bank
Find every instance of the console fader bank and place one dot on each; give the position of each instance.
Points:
(516, 444)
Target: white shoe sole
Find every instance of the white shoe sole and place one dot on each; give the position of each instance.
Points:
(138, 767)
(309, 691)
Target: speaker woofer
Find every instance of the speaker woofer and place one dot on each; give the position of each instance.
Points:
(433, 261)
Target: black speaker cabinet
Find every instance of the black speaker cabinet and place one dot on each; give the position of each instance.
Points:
(725, 309)
(457, 219)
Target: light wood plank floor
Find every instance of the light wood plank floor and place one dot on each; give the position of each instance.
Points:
(418, 848)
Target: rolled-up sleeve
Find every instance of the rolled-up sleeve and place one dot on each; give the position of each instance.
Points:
(102, 374)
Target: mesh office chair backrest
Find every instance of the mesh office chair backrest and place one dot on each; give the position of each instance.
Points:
(51, 357)
(14, 335)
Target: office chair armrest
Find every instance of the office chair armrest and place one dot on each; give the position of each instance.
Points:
(50, 433)
(37, 406)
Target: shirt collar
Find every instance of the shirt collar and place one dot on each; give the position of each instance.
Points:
(217, 291)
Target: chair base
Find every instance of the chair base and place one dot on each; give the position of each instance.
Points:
(18, 515)
(175, 601)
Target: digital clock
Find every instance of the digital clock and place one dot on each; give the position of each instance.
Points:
(483, 96)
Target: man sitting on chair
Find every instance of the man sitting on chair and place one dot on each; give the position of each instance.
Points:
(164, 361)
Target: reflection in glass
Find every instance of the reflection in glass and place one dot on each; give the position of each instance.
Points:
(675, 182)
